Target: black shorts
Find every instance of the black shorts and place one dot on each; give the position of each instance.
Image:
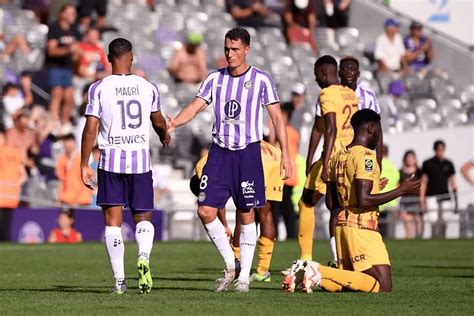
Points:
(87, 6)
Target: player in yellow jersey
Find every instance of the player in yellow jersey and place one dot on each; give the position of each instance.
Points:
(353, 191)
(338, 104)
(273, 193)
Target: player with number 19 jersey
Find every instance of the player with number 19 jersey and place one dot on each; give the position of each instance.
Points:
(123, 103)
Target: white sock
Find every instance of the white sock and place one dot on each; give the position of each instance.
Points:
(216, 232)
(332, 243)
(248, 239)
(116, 250)
(144, 235)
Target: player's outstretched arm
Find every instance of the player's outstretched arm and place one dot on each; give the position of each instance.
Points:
(196, 106)
(159, 125)
(274, 111)
(89, 135)
(329, 140)
(365, 198)
(314, 140)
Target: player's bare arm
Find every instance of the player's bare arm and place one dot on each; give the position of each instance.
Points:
(329, 140)
(275, 115)
(196, 106)
(89, 135)
(159, 125)
(315, 138)
(424, 185)
(332, 201)
(379, 150)
(365, 198)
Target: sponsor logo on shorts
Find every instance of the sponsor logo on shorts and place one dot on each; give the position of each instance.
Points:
(202, 197)
(248, 84)
(247, 187)
(369, 165)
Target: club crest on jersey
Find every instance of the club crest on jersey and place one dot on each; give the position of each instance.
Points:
(369, 165)
(202, 197)
(248, 84)
(247, 187)
(232, 109)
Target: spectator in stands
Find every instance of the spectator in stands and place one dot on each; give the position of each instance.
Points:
(465, 172)
(62, 50)
(189, 64)
(40, 9)
(419, 49)
(295, 107)
(65, 233)
(17, 43)
(438, 174)
(286, 208)
(20, 135)
(12, 176)
(86, 7)
(300, 22)
(389, 48)
(337, 13)
(409, 204)
(93, 64)
(389, 178)
(68, 171)
(248, 12)
(15, 98)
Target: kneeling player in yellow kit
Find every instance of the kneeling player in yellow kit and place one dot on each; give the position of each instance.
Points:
(353, 189)
(273, 193)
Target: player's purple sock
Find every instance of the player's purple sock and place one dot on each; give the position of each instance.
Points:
(248, 239)
(216, 232)
(116, 250)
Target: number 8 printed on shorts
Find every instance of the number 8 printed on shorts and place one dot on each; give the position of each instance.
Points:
(203, 183)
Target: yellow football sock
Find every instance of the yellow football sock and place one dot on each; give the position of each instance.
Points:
(236, 251)
(330, 286)
(306, 230)
(265, 251)
(353, 280)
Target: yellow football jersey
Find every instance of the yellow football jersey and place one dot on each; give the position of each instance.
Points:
(353, 163)
(271, 156)
(343, 102)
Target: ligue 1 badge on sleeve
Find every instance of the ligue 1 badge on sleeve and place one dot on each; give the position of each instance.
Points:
(201, 197)
(248, 84)
(369, 165)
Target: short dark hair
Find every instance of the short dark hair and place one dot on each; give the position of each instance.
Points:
(8, 86)
(438, 143)
(119, 47)
(239, 33)
(65, 6)
(325, 60)
(363, 117)
(348, 59)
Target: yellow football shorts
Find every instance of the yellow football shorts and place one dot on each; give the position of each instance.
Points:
(314, 180)
(273, 181)
(359, 249)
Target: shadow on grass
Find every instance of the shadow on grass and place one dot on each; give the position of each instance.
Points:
(177, 279)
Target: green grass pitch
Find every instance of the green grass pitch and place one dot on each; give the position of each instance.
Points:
(430, 277)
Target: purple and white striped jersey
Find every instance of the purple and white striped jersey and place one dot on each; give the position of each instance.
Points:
(123, 104)
(238, 103)
(367, 100)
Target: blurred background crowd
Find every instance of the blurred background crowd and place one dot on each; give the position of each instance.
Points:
(51, 51)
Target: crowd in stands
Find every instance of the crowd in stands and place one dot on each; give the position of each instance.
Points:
(41, 134)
